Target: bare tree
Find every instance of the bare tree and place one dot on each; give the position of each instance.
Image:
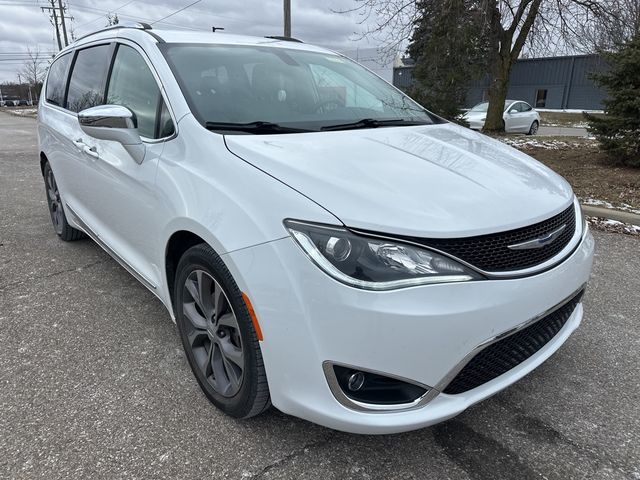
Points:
(607, 32)
(34, 69)
(512, 25)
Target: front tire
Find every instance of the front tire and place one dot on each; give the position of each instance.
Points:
(534, 128)
(62, 228)
(218, 335)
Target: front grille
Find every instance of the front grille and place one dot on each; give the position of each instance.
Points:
(511, 351)
(490, 252)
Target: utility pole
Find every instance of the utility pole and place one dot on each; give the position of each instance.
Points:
(54, 20)
(287, 18)
(64, 26)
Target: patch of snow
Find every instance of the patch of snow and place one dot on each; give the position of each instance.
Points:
(24, 112)
(565, 125)
(603, 203)
(524, 143)
(613, 226)
(569, 110)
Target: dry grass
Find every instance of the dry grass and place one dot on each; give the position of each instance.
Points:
(592, 174)
(563, 119)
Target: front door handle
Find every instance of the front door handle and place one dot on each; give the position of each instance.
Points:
(79, 144)
(91, 151)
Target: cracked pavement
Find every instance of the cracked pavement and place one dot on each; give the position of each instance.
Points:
(94, 384)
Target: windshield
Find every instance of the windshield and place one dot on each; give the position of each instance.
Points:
(296, 90)
(484, 106)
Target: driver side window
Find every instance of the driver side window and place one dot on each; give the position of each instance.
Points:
(132, 85)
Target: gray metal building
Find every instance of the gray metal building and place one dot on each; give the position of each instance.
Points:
(553, 82)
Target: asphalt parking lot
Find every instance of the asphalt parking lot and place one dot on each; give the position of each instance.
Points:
(94, 384)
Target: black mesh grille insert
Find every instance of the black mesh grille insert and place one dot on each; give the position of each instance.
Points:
(490, 252)
(505, 354)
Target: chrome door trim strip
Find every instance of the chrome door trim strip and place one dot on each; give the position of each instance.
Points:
(94, 236)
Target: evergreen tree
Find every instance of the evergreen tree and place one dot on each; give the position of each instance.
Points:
(619, 130)
(449, 45)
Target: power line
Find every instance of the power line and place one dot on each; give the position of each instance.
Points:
(110, 11)
(177, 11)
(54, 20)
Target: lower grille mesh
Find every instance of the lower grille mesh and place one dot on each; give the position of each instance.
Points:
(511, 351)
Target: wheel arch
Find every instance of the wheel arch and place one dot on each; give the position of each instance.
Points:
(43, 160)
(179, 242)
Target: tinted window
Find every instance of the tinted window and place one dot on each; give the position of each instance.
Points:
(86, 88)
(525, 107)
(132, 85)
(57, 80)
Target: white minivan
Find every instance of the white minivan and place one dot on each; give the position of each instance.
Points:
(324, 244)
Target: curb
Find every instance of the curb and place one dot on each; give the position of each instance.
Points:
(620, 216)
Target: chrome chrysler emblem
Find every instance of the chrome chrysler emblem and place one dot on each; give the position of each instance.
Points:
(540, 241)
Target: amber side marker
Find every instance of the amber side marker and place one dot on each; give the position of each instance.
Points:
(252, 314)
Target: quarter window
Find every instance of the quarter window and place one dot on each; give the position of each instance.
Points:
(57, 80)
(86, 87)
(132, 85)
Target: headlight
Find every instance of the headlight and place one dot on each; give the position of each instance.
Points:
(372, 263)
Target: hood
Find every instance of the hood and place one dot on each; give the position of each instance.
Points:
(474, 114)
(427, 181)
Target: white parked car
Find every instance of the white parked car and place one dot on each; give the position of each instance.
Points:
(519, 117)
(324, 243)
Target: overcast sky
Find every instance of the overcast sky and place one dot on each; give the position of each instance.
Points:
(23, 24)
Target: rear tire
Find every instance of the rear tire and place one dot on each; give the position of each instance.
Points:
(534, 128)
(56, 210)
(218, 334)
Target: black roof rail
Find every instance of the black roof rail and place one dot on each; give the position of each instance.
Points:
(136, 25)
(283, 38)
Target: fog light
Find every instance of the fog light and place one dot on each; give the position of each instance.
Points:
(356, 381)
(375, 388)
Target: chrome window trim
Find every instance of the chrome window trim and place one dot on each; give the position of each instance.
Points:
(341, 397)
(143, 54)
(73, 51)
(163, 93)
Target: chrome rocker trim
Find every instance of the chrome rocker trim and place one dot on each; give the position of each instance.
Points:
(94, 236)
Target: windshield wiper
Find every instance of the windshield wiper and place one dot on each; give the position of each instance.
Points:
(253, 127)
(374, 123)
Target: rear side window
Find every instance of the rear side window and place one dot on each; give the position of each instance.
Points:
(86, 87)
(57, 80)
(132, 85)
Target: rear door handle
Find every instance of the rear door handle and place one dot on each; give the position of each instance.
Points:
(79, 144)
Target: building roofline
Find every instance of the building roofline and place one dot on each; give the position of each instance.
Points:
(559, 57)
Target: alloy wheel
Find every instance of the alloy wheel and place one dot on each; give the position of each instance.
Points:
(213, 333)
(55, 203)
(534, 128)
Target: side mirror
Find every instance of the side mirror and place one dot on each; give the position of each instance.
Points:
(113, 122)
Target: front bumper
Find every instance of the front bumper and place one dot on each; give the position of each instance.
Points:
(475, 124)
(420, 333)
